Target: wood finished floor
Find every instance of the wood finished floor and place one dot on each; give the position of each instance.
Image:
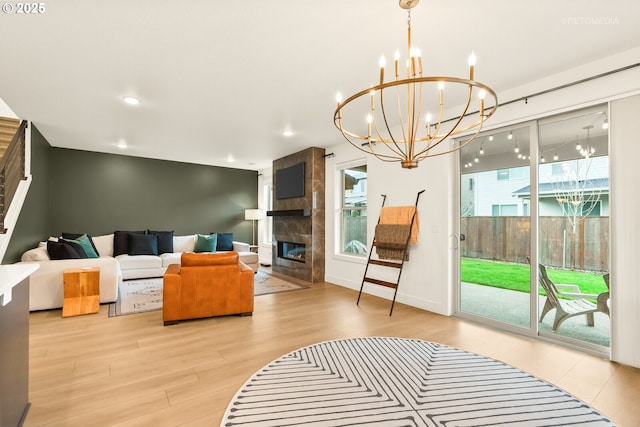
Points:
(94, 370)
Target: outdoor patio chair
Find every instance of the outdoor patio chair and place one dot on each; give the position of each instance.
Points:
(566, 299)
(603, 298)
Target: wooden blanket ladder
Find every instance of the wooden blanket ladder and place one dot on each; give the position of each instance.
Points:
(402, 246)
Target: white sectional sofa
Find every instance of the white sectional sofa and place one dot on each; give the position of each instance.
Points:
(46, 284)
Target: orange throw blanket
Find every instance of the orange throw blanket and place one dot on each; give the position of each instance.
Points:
(401, 215)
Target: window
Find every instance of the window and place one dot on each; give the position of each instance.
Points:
(582, 208)
(504, 210)
(503, 174)
(511, 173)
(354, 210)
(557, 169)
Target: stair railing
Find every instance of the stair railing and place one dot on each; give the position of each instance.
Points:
(12, 171)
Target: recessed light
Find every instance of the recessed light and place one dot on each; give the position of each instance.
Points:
(122, 144)
(230, 159)
(287, 132)
(131, 100)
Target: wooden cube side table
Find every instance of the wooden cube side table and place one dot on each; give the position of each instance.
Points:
(81, 291)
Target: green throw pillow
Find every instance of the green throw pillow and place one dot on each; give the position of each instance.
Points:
(206, 243)
(85, 242)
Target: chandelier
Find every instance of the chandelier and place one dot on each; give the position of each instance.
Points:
(399, 125)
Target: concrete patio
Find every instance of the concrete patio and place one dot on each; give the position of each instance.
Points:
(513, 307)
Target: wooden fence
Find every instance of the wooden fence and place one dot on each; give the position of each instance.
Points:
(507, 238)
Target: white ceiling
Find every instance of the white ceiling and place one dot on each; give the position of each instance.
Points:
(220, 79)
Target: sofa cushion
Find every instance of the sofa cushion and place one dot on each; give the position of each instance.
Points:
(121, 242)
(170, 258)
(128, 262)
(225, 242)
(142, 244)
(249, 258)
(63, 249)
(206, 243)
(86, 243)
(184, 243)
(165, 241)
(75, 236)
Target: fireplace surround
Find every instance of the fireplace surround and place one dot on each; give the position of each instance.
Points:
(298, 222)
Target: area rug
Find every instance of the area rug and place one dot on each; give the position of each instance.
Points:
(138, 296)
(265, 283)
(400, 382)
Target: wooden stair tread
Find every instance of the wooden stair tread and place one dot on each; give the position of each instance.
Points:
(9, 121)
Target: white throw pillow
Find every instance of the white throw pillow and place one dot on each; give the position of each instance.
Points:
(104, 244)
(184, 243)
(37, 254)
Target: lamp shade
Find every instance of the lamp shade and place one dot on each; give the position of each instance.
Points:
(252, 214)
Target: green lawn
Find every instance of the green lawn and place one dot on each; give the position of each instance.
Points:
(516, 276)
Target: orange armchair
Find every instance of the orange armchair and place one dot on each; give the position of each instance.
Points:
(207, 285)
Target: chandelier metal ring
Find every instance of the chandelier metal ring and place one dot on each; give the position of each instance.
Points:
(413, 140)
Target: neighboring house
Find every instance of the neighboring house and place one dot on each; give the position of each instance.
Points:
(584, 183)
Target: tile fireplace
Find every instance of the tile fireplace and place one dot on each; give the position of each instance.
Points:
(298, 221)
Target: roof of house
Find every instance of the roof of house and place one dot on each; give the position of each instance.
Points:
(553, 188)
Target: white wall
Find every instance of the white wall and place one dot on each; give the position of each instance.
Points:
(265, 177)
(5, 111)
(428, 278)
(424, 276)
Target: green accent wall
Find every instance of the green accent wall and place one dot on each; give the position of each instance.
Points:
(96, 193)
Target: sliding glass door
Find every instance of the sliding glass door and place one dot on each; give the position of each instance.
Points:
(538, 194)
(495, 227)
(573, 223)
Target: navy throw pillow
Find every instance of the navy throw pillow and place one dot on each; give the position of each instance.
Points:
(225, 242)
(63, 249)
(142, 244)
(165, 241)
(121, 241)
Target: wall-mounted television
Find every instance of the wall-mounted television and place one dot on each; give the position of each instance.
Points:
(290, 182)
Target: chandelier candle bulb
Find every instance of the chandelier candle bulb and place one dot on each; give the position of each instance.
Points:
(472, 63)
(396, 57)
(383, 62)
(412, 57)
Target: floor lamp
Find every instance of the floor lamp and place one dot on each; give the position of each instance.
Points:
(253, 215)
